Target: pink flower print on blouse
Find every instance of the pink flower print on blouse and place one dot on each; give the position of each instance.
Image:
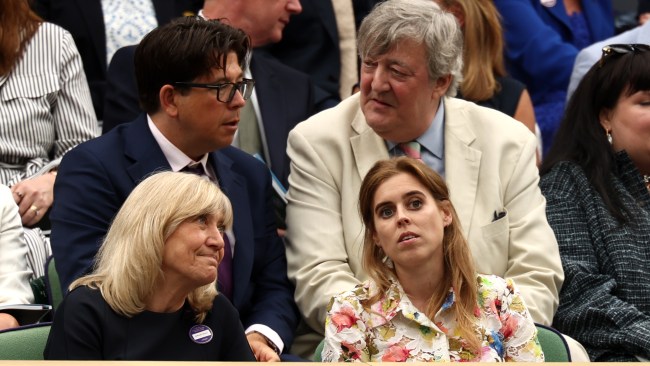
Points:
(509, 326)
(396, 353)
(344, 318)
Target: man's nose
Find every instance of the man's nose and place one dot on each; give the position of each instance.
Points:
(294, 7)
(379, 80)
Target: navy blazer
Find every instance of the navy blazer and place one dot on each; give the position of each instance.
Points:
(85, 21)
(310, 43)
(96, 177)
(285, 97)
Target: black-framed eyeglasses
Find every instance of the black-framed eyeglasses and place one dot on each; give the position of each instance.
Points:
(225, 91)
(621, 49)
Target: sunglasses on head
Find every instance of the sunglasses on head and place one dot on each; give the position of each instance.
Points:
(622, 49)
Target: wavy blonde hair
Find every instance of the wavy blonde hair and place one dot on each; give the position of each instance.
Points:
(482, 50)
(129, 262)
(459, 272)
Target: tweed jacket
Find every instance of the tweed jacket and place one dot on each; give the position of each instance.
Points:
(604, 302)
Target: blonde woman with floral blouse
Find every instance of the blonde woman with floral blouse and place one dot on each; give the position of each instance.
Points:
(424, 301)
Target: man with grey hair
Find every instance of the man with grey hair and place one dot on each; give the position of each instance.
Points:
(411, 54)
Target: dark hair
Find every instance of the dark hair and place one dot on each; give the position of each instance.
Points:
(183, 50)
(18, 24)
(581, 138)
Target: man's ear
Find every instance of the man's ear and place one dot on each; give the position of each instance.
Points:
(440, 86)
(168, 100)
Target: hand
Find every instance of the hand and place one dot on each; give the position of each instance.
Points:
(282, 232)
(261, 349)
(34, 197)
(7, 321)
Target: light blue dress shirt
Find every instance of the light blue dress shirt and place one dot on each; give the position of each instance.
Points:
(432, 143)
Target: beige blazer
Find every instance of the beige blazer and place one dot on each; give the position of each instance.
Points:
(489, 166)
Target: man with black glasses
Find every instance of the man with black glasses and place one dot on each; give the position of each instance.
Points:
(282, 96)
(192, 87)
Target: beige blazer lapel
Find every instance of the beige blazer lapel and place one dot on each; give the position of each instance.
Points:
(462, 163)
(367, 146)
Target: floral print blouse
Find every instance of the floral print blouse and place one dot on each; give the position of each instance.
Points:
(394, 330)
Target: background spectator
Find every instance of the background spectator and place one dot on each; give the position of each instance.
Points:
(588, 56)
(595, 179)
(484, 73)
(100, 28)
(542, 41)
(321, 42)
(45, 106)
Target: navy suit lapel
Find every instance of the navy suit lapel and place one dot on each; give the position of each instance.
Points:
(328, 17)
(271, 99)
(94, 19)
(167, 10)
(234, 186)
(141, 148)
(164, 10)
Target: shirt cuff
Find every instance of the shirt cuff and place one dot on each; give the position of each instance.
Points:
(269, 333)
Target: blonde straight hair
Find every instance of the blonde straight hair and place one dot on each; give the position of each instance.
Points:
(129, 262)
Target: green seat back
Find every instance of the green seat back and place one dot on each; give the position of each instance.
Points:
(319, 350)
(53, 284)
(24, 343)
(553, 344)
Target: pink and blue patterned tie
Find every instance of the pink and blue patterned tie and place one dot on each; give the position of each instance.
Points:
(411, 149)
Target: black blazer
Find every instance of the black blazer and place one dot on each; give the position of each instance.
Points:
(310, 43)
(285, 97)
(85, 21)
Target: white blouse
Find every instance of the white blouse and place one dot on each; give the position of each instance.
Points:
(14, 272)
(45, 105)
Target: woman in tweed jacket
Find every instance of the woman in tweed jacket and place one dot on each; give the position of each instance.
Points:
(595, 179)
